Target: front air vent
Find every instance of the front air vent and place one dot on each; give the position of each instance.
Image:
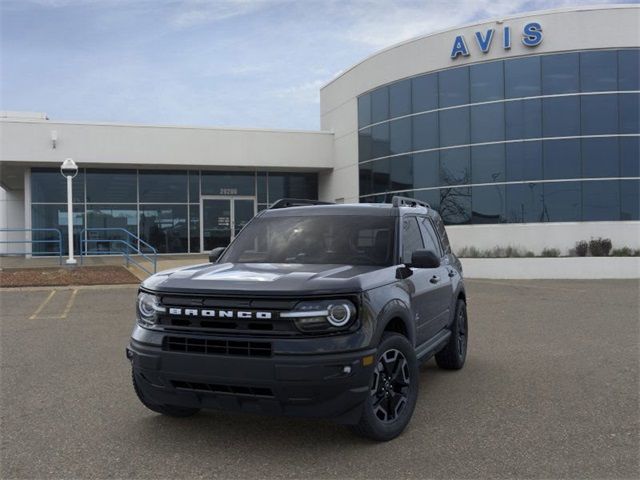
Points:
(228, 389)
(209, 346)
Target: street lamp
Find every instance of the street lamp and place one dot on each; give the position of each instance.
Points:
(69, 169)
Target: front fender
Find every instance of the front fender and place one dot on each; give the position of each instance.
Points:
(386, 304)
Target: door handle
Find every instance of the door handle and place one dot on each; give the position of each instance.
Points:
(435, 279)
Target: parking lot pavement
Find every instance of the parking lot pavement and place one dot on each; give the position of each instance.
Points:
(550, 389)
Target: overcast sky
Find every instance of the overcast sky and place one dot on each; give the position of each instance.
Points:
(240, 63)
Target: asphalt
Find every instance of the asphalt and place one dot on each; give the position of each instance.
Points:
(550, 390)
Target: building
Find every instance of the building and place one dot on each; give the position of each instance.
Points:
(520, 131)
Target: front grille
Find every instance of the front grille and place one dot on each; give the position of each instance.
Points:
(229, 389)
(209, 346)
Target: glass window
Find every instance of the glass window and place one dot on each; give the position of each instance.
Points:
(523, 119)
(400, 136)
(429, 236)
(425, 131)
(424, 93)
(261, 186)
(165, 227)
(426, 169)
(488, 204)
(561, 159)
(455, 205)
(432, 197)
(228, 183)
(522, 77)
(600, 200)
(561, 116)
(401, 173)
(523, 161)
(194, 227)
(630, 156)
(49, 186)
(454, 127)
(163, 186)
(599, 114)
(487, 164)
(562, 202)
(487, 81)
(115, 218)
(380, 105)
(364, 110)
(628, 69)
(380, 140)
(600, 157)
(112, 186)
(293, 185)
(381, 173)
(400, 99)
(442, 233)
(194, 186)
(365, 178)
(560, 73)
(411, 238)
(599, 71)
(524, 203)
(52, 216)
(630, 200)
(365, 145)
(455, 167)
(487, 123)
(454, 87)
(629, 112)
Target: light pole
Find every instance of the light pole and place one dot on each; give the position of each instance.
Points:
(69, 169)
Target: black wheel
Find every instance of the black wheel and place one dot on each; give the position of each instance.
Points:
(452, 356)
(393, 390)
(169, 410)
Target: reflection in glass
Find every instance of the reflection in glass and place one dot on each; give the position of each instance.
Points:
(522, 77)
(523, 161)
(630, 156)
(524, 203)
(454, 127)
(600, 200)
(455, 167)
(364, 110)
(426, 169)
(600, 157)
(400, 136)
(365, 178)
(629, 69)
(487, 123)
(112, 186)
(599, 114)
(455, 205)
(424, 92)
(216, 223)
(599, 71)
(454, 87)
(114, 218)
(401, 173)
(293, 185)
(432, 197)
(562, 202)
(163, 186)
(629, 112)
(425, 131)
(261, 186)
(228, 183)
(488, 204)
(630, 200)
(380, 140)
(165, 227)
(523, 119)
(194, 227)
(48, 185)
(194, 185)
(400, 99)
(52, 216)
(365, 145)
(561, 159)
(488, 164)
(561, 116)
(487, 81)
(380, 105)
(560, 73)
(381, 173)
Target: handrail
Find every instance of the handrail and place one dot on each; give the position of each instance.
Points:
(32, 241)
(151, 257)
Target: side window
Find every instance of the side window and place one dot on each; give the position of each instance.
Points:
(442, 233)
(429, 236)
(411, 238)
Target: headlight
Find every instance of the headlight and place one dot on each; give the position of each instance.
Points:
(323, 315)
(148, 307)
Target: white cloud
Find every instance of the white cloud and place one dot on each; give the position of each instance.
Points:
(196, 12)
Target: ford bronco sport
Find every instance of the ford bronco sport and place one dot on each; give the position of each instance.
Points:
(315, 310)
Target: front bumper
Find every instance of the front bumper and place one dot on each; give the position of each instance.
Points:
(321, 385)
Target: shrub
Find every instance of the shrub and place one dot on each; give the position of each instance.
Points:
(550, 252)
(600, 247)
(582, 248)
(625, 252)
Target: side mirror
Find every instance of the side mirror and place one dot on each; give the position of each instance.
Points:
(215, 254)
(424, 259)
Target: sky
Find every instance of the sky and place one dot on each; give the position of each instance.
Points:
(237, 63)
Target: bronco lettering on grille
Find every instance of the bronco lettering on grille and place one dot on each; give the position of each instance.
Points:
(240, 314)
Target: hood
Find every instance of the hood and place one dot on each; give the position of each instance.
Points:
(270, 279)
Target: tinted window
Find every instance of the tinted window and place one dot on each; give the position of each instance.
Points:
(630, 156)
(194, 186)
(600, 200)
(400, 135)
(400, 98)
(487, 164)
(455, 205)
(630, 200)
(599, 71)
(600, 157)
(424, 92)
(165, 227)
(49, 186)
(111, 186)
(599, 114)
(113, 217)
(561, 159)
(628, 70)
(432, 197)
(442, 233)
(454, 127)
(261, 186)
(429, 236)
(381, 175)
(221, 183)
(426, 169)
(380, 140)
(364, 110)
(523, 119)
(163, 186)
(380, 105)
(562, 201)
(365, 145)
(524, 161)
(524, 203)
(53, 216)
(560, 73)
(454, 87)
(487, 81)
(561, 116)
(522, 77)
(293, 185)
(401, 173)
(194, 227)
(425, 131)
(487, 123)
(455, 166)
(365, 179)
(411, 238)
(488, 204)
(629, 112)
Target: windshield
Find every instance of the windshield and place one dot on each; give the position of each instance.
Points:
(335, 239)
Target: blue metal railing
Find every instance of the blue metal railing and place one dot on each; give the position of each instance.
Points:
(57, 241)
(131, 247)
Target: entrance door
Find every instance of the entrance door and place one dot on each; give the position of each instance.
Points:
(222, 218)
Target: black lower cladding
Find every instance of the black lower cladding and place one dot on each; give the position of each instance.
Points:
(319, 385)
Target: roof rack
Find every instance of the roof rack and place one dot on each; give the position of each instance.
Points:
(398, 201)
(295, 202)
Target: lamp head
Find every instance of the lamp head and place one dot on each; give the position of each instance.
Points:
(69, 168)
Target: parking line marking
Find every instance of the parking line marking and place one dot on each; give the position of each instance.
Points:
(69, 303)
(42, 305)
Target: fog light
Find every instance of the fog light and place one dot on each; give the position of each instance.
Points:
(368, 360)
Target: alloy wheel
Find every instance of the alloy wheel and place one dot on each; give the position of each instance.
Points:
(390, 386)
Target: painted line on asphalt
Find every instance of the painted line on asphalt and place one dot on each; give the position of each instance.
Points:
(69, 303)
(42, 305)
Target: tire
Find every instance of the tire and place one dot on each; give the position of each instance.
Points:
(454, 354)
(168, 410)
(393, 392)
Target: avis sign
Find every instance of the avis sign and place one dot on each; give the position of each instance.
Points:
(531, 37)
